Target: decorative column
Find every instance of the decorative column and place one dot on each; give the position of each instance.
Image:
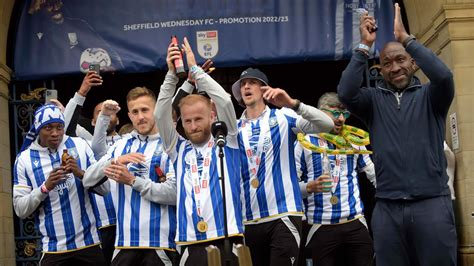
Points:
(447, 27)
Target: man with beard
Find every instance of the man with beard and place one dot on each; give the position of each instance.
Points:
(143, 188)
(333, 207)
(200, 201)
(47, 183)
(406, 120)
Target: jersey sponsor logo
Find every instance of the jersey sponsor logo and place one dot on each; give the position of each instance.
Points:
(65, 184)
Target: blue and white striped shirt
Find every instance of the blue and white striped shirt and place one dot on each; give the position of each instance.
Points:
(144, 219)
(211, 201)
(184, 156)
(103, 206)
(318, 208)
(65, 218)
(271, 138)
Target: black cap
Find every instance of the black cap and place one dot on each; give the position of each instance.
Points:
(246, 74)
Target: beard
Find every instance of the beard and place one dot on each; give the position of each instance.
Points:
(199, 137)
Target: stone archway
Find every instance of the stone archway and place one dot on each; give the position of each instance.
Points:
(7, 243)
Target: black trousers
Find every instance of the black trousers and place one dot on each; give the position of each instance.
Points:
(196, 254)
(420, 232)
(275, 242)
(144, 257)
(107, 239)
(88, 256)
(305, 252)
(341, 244)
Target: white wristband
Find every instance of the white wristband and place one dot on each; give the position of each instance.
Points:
(363, 46)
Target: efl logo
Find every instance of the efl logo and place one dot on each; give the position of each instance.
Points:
(207, 43)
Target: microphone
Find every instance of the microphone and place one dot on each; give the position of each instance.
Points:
(219, 131)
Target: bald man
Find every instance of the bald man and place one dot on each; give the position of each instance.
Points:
(406, 120)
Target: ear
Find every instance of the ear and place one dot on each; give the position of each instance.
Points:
(414, 65)
(130, 116)
(213, 115)
(93, 122)
(118, 121)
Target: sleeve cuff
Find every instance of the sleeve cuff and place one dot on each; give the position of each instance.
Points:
(104, 116)
(37, 194)
(140, 184)
(304, 192)
(79, 99)
(187, 87)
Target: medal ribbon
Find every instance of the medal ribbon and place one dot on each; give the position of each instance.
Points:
(254, 158)
(334, 172)
(200, 181)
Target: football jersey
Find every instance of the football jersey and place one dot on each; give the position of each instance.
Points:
(143, 223)
(200, 191)
(318, 208)
(65, 218)
(270, 182)
(103, 206)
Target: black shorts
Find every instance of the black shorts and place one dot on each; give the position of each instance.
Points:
(276, 242)
(196, 254)
(341, 244)
(107, 240)
(144, 257)
(90, 256)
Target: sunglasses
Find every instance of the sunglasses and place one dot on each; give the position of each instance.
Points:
(336, 113)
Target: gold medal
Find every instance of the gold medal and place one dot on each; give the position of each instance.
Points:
(202, 226)
(254, 182)
(334, 200)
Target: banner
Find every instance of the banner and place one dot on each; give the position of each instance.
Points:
(57, 37)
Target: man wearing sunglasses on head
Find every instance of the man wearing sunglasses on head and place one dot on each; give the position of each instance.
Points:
(333, 207)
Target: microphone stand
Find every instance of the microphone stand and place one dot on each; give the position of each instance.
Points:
(227, 250)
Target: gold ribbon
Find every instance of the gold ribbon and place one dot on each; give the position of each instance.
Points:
(350, 135)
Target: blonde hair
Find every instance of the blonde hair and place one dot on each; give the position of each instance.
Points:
(192, 99)
(138, 92)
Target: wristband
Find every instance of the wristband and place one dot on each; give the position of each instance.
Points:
(363, 47)
(43, 189)
(194, 69)
(296, 106)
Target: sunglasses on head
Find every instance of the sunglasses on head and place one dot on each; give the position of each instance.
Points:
(336, 113)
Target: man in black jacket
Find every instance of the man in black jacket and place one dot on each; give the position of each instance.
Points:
(406, 120)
